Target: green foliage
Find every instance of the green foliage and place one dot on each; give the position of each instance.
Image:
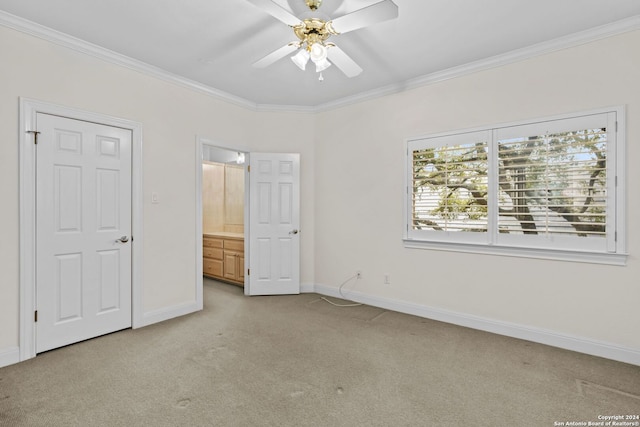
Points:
(562, 173)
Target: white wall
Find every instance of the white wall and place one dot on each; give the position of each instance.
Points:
(171, 117)
(359, 198)
(352, 174)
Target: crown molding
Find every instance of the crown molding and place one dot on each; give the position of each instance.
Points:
(82, 46)
(275, 108)
(572, 40)
(569, 41)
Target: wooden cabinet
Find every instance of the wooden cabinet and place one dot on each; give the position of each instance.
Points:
(222, 198)
(212, 257)
(234, 260)
(223, 257)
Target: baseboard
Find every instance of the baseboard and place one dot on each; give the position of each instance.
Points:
(9, 356)
(542, 336)
(167, 313)
(12, 354)
(307, 288)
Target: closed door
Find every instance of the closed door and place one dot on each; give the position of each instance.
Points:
(83, 237)
(274, 211)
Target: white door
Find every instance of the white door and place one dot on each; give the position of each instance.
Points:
(274, 224)
(83, 230)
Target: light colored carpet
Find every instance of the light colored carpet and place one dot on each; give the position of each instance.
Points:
(298, 361)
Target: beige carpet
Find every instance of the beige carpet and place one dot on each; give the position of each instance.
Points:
(299, 361)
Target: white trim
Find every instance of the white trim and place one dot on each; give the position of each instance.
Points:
(198, 172)
(137, 208)
(514, 330)
(307, 288)
(571, 40)
(619, 259)
(618, 109)
(166, 313)
(28, 110)
(550, 46)
(27, 226)
(247, 222)
(274, 108)
(621, 178)
(82, 46)
(525, 249)
(218, 144)
(9, 356)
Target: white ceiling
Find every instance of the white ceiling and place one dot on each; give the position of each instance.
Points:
(214, 42)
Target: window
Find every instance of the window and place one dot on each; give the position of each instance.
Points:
(544, 188)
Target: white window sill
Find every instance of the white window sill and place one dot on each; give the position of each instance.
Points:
(559, 255)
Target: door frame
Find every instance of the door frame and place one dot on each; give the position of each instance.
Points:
(201, 141)
(29, 108)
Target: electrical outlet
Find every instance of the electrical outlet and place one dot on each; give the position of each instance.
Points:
(387, 279)
(358, 274)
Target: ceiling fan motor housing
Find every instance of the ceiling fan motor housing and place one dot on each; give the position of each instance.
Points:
(312, 31)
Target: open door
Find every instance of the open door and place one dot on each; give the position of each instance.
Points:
(274, 224)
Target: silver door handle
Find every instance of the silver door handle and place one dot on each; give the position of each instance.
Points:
(123, 239)
(294, 231)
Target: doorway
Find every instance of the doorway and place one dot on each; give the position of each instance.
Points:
(223, 214)
(271, 237)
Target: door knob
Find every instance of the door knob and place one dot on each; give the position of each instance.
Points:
(123, 239)
(294, 231)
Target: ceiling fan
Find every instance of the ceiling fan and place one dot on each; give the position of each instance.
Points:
(313, 33)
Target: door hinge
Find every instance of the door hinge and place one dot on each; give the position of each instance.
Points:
(249, 168)
(35, 316)
(35, 135)
(248, 272)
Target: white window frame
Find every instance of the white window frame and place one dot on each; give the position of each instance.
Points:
(520, 246)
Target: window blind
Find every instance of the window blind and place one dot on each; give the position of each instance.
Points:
(450, 188)
(546, 184)
(554, 183)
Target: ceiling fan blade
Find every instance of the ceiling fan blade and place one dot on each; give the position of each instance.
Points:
(276, 55)
(343, 61)
(276, 11)
(378, 12)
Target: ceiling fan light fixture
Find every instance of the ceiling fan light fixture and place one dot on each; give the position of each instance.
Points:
(322, 65)
(318, 52)
(301, 58)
